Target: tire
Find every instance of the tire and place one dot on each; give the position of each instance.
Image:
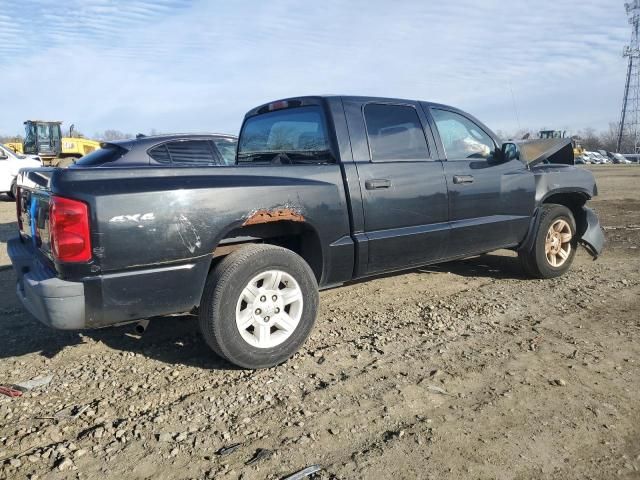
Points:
(275, 329)
(539, 262)
(13, 193)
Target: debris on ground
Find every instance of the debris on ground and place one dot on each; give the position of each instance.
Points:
(434, 389)
(10, 392)
(304, 473)
(229, 450)
(261, 454)
(34, 383)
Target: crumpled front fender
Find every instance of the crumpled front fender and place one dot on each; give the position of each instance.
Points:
(593, 237)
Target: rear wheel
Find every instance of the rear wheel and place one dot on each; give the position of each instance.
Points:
(13, 193)
(554, 246)
(259, 305)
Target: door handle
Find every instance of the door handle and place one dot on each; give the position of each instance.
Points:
(463, 179)
(377, 183)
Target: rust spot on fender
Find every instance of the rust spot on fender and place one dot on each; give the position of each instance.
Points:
(273, 215)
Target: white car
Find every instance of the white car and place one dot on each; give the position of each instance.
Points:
(10, 165)
(618, 158)
(595, 157)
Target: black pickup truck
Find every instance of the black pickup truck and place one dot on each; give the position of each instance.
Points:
(325, 190)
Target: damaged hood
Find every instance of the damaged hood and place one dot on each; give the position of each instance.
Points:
(547, 150)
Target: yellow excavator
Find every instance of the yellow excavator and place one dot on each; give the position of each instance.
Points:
(577, 148)
(45, 139)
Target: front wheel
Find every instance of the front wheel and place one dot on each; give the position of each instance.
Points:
(554, 246)
(258, 306)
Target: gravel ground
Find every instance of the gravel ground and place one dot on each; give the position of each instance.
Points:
(464, 370)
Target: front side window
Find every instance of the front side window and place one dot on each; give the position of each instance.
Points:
(395, 133)
(462, 139)
(292, 135)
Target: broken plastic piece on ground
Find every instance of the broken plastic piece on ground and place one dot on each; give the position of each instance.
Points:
(229, 450)
(434, 389)
(304, 473)
(34, 383)
(261, 454)
(10, 392)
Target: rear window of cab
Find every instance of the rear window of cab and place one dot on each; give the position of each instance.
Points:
(290, 135)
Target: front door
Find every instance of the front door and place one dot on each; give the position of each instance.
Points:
(490, 201)
(403, 188)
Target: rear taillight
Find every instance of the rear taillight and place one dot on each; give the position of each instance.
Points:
(19, 208)
(69, 230)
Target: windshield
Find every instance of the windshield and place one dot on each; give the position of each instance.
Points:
(10, 153)
(289, 135)
(43, 132)
(106, 154)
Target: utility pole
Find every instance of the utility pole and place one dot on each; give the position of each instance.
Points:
(629, 127)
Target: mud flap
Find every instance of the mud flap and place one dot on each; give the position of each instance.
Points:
(593, 238)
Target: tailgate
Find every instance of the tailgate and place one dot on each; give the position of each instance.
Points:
(32, 206)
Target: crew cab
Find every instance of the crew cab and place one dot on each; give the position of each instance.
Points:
(325, 190)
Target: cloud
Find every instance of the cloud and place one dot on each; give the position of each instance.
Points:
(178, 65)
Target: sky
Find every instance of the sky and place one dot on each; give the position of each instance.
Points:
(182, 66)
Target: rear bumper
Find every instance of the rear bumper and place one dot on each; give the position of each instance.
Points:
(107, 299)
(54, 302)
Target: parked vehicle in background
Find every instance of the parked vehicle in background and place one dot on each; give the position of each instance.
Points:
(326, 190)
(590, 159)
(603, 159)
(595, 158)
(580, 160)
(173, 150)
(44, 138)
(10, 164)
(618, 158)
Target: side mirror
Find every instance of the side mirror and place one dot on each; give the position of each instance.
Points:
(3, 155)
(510, 151)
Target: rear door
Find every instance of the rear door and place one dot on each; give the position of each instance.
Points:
(490, 201)
(402, 182)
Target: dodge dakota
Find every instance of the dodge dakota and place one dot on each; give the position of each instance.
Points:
(324, 190)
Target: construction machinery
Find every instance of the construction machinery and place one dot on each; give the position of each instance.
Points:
(577, 148)
(44, 138)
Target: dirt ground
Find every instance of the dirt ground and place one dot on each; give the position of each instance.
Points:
(465, 370)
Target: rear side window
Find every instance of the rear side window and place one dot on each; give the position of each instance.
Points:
(184, 152)
(292, 135)
(395, 133)
(160, 154)
(227, 150)
(191, 151)
(106, 154)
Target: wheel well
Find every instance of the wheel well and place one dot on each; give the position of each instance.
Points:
(298, 237)
(574, 201)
